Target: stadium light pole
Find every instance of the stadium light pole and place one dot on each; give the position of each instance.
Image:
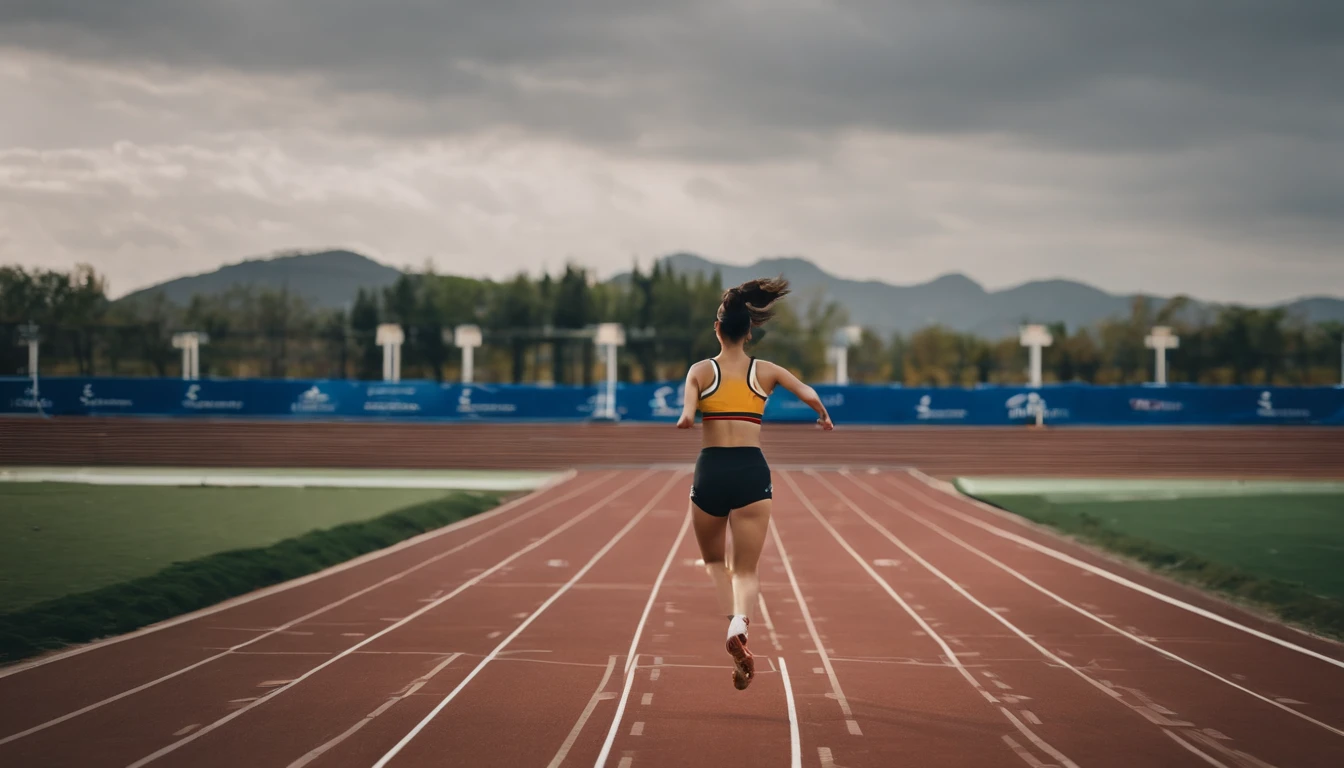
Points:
(390, 338)
(844, 339)
(609, 336)
(1160, 340)
(1036, 338)
(190, 344)
(467, 338)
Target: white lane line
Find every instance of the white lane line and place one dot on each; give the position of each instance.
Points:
(1210, 759)
(318, 612)
(646, 700)
(653, 595)
(612, 542)
(947, 650)
(1040, 743)
(1082, 611)
(795, 745)
(570, 523)
(1031, 717)
(632, 656)
(1102, 572)
(637, 729)
(598, 695)
(626, 762)
(1022, 752)
(825, 757)
(287, 585)
(811, 625)
(385, 706)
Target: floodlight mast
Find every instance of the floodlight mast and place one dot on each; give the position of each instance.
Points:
(1035, 338)
(467, 338)
(390, 337)
(1160, 340)
(609, 337)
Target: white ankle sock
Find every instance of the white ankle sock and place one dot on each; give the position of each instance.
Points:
(737, 625)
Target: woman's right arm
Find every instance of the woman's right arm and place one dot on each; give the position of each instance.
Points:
(783, 377)
(690, 401)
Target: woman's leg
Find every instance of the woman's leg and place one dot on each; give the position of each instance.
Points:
(710, 532)
(750, 524)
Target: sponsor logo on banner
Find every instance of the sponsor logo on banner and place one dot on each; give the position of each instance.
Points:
(390, 406)
(464, 405)
(1028, 405)
(313, 400)
(660, 405)
(194, 402)
(31, 400)
(1265, 409)
(91, 400)
(1149, 405)
(834, 400)
(926, 412)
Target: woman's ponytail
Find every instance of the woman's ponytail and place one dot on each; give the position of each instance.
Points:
(749, 305)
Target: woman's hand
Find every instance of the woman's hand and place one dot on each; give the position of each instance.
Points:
(825, 422)
(686, 421)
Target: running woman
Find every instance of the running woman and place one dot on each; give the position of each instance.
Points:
(732, 486)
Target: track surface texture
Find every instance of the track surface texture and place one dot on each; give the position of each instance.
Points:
(900, 625)
(941, 451)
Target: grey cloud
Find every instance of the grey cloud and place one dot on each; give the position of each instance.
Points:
(1211, 121)
(1096, 75)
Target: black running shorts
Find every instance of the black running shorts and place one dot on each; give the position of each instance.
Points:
(730, 478)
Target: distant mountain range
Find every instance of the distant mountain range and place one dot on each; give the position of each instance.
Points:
(330, 279)
(958, 302)
(326, 279)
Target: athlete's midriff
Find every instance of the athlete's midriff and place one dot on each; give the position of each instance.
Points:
(730, 434)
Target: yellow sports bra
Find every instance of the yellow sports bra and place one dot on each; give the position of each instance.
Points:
(733, 399)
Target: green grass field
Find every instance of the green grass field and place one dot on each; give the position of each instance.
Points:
(80, 562)
(1280, 545)
(58, 539)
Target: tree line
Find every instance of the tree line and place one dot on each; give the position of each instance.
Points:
(535, 331)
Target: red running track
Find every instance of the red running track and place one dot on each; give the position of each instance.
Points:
(901, 625)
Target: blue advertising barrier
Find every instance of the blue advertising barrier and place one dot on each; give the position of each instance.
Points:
(422, 400)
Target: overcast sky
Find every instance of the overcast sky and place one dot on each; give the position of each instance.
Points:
(1160, 145)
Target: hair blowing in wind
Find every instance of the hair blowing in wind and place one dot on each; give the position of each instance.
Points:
(750, 305)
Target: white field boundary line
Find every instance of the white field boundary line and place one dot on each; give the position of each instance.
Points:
(306, 617)
(825, 657)
(632, 655)
(795, 747)
(585, 514)
(297, 480)
(1102, 572)
(392, 701)
(1060, 600)
(948, 653)
(611, 543)
(287, 585)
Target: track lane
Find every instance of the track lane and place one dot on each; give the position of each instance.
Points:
(568, 648)
(1070, 721)
(1179, 701)
(681, 707)
(345, 688)
(893, 693)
